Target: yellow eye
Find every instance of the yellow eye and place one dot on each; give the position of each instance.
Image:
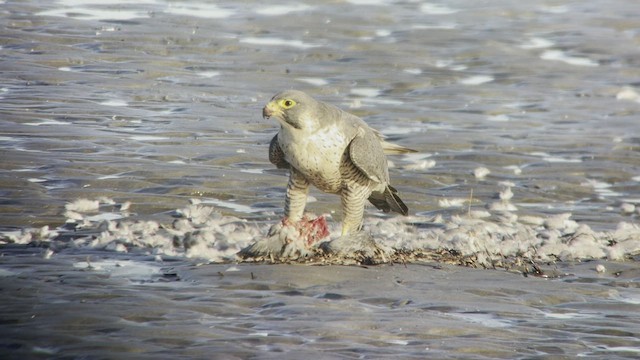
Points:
(286, 103)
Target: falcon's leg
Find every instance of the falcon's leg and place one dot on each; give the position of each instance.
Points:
(294, 236)
(355, 244)
(353, 196)
(296, 198)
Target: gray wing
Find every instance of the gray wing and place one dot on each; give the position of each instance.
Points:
(276, 156)
(365, 152)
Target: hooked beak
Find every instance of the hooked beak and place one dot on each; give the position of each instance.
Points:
(268, 111)
(272, 109)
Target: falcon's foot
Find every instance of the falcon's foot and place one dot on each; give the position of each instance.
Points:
(288, 240)
(358, 247)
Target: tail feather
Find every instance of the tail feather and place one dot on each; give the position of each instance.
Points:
(391, 148)
(389, 201)
(394, 149)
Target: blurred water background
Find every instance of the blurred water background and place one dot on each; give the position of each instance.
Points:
(152, 103)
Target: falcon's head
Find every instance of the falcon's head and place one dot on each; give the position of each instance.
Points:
(295, 109)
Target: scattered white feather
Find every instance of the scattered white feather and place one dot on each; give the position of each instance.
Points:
(481, 172)
(452, 202)
(506, 194)
(559, 55)
(420, 165)
(627, 208)
(491, 234)
(628, 93)
(502, 206)
(83, 205)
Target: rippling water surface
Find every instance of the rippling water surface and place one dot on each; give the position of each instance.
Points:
(153, 103)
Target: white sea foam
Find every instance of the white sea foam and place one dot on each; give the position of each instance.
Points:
(617, 349)
(208, 74)
(631, 298)
(553, 158)
(253, 171)
(271, 41)
(402, 130)
(135, 271)
(420, 165)
(413, 71)
(148, 138)
(313, 81)
(569, 315)
(83, 13)
(397, 342)
(484, 319)
(382, 101)
(370, 2)
(443, 63)
(82, 10)
(437, 26)
(558, 55)
(275, 10)
(76, 3)
(6, 273)
(366, 92)
(260, 333)
(476, 80)
(498, 118)
(557, 9)
(110, 176)
(418, 161)
(47, 122)
(601, 188)
(537, 43)
(114, 102)
(437, 9)
(199, 9)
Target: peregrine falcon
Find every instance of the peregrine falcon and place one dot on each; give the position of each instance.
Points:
(335, 151)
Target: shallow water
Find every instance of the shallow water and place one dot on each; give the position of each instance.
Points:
(115, 307)
(158, 102)
(154, 103)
